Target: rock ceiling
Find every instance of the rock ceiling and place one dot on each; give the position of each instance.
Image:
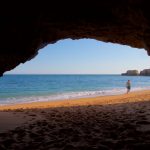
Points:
(27, 27)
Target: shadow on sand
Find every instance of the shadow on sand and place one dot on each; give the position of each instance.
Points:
(93, 127)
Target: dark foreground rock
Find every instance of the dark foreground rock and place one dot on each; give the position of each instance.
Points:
(28, 26)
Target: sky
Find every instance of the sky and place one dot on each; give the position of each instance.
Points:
(84, 56)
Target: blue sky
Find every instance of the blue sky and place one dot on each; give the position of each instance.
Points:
(85, 56)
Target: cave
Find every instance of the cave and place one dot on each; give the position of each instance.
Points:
(28, 27)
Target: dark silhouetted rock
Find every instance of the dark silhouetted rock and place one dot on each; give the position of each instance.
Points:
(145, 72)
(27, 27)
(131, 73)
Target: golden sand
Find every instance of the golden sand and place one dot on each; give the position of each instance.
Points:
(108, 122)
(101, 100)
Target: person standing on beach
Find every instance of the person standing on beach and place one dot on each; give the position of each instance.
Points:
(128, 86)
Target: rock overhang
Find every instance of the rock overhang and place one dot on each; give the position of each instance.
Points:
(26, 28)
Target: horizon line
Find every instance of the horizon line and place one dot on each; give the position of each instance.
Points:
(62, 74)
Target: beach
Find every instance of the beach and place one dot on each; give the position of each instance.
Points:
(106, 122)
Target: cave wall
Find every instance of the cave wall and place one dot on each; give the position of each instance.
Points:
(27, 27)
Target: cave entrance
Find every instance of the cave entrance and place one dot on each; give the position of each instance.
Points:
(73, 69)
(84, 56)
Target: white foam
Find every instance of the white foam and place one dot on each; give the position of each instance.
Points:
(69, 95)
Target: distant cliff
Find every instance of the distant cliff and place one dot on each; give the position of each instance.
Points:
(145, 72)
(131, 73)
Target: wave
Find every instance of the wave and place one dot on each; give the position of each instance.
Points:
(66, 95)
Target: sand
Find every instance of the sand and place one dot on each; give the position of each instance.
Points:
(108, 122)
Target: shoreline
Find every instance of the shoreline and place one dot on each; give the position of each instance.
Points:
(70, 95)
(134, 96)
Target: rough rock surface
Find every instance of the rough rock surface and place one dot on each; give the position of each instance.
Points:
(27, 27)
(131, 73)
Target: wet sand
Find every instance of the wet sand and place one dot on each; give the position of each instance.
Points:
(100, 123)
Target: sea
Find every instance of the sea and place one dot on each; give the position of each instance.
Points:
(34, 88)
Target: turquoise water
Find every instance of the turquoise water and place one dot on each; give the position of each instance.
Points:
(30, 88)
